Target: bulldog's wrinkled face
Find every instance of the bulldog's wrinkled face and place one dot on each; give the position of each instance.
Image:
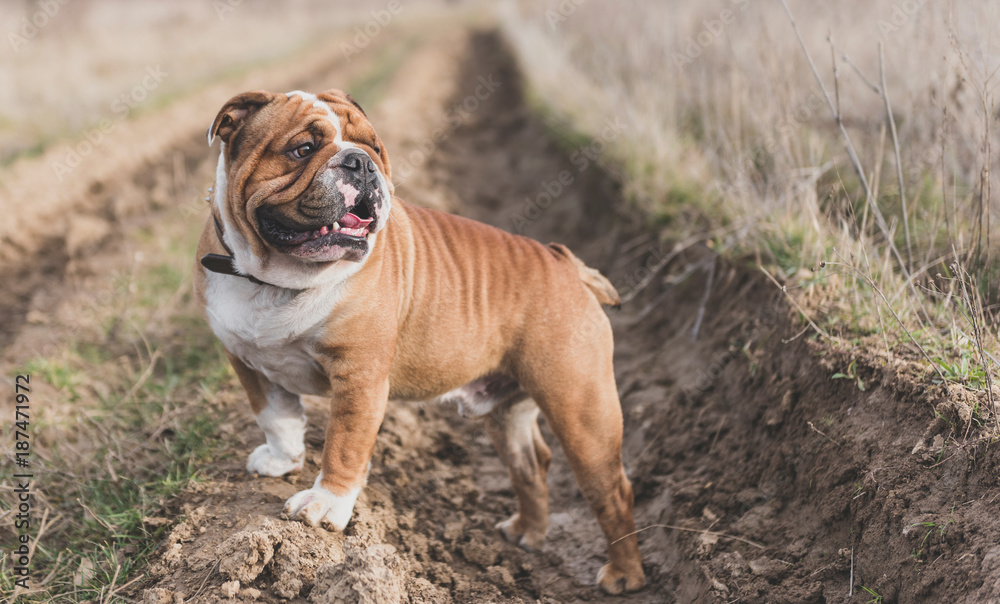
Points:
(305, 177)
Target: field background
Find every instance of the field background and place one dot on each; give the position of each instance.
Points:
(805, 363)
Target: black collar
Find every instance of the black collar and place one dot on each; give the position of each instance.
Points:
(217, 263)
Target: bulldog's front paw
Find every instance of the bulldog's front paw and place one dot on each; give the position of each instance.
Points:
(319, 507)
(263, 461)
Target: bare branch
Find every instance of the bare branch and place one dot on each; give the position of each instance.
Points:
(895, 147)
(855, 162)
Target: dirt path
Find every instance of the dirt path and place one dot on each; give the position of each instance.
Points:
(800, 481)
(142, 165)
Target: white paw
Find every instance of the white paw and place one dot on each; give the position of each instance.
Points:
(263, 461)
(530, 540)
(319, 507)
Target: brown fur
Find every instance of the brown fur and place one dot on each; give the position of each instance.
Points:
(442, 301)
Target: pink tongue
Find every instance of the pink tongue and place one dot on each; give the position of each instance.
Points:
(350, 221)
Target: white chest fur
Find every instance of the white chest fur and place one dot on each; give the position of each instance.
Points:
(272, 330)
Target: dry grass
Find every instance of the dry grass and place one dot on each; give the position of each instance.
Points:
(728, 130)
(737, 141)
(128, 384)
(67, 77)
(130, 387)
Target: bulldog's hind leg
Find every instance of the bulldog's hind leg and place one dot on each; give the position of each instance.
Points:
(587, 420)
(281, 415)
(513, 428)
(575, 387)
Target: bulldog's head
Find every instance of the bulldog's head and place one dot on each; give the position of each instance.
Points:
(303, 182)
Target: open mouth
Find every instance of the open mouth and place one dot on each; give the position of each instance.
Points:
(350, 231)
(349, 225)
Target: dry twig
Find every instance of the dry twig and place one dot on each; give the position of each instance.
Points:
(823, 434)
(690, 530)
(899, 321)
(895, 147)
(852, 154)
(797, 306)
(704, 298)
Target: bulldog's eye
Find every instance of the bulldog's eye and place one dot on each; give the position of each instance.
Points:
(378, 150)
(303, 151)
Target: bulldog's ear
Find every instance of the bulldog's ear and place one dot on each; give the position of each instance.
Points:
(355, 103)
(235, 112)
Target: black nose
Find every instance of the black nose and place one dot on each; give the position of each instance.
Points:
(355, 161)
(363, 169)
(352, 162)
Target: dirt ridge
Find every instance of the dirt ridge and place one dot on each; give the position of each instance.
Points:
(132, 170)
(738, 431)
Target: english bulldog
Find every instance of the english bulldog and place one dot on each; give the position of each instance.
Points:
(318, 281)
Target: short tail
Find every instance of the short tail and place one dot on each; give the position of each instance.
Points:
(597, 283)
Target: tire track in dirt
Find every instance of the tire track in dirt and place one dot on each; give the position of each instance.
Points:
(731, 452)
(436, 487)
(140, 167)
(732, 431)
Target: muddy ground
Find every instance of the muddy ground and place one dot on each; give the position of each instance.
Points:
(760, 478)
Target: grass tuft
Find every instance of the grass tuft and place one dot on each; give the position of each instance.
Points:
(726, 130)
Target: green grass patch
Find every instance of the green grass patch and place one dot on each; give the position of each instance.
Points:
(136, 449)
(134, 415)
(129, 420)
